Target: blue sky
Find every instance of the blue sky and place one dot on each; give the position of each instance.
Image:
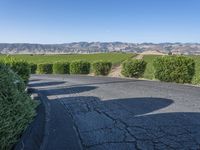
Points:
(63, 21)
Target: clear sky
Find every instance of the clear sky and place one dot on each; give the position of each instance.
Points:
(63, 21)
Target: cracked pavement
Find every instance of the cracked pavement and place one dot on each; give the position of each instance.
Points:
(113, 113)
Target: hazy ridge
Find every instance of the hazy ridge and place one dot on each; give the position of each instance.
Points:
(96, 47)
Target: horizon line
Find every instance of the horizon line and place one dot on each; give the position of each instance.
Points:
(100, 42)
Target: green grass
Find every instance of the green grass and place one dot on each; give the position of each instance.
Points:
(115, 58)
(196, 79)
(149, 72)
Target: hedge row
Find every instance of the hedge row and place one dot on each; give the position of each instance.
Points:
(16, 107)
(102, 67)
(133, 68)
(179, 69)
(61, 68)
(80, 67)
(75, 67)
(44, 68)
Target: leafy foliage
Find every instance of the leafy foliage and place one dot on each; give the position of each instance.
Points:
(102, 67)
(33, 68)
(79, 67)
(177, 69)
(61, 68)
(16, 107)
(21, 67)
(133, 68)
(44, 68)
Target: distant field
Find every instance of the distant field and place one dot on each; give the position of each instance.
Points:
(115, 58)
(149, 73)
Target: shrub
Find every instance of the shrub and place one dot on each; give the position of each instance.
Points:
(80, 67)
(177, 69)
(102, 67)
(133, 68)
(33, 68)
(21, 67)
(61, 68)
(16, 107)
(44, 68)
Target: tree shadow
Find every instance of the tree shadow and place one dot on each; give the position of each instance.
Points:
(67, 90)
(123, 107)
(44, 84)
(140, 105)
(175, 130)
(34, 80)
(95, 118)
(109, 82)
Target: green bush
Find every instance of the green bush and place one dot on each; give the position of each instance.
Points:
(21, 67)
(79, 67)
(44, 68)
(33, 68)
(61, 68)
(16, 107)
(177, 69)
(101, 67)
(133, 68)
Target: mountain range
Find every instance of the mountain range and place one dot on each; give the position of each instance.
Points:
(97, 47)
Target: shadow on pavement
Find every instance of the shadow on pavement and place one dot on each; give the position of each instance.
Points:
(98, 123)
(124, 123)
(133, 106)
(34, 80)
(44, 84)
(109, 82)
(66, 90)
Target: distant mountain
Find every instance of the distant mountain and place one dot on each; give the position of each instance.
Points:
(97, 47)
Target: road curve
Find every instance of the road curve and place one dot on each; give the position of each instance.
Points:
(99, 113)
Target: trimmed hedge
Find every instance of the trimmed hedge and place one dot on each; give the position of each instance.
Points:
(33, 68)
(133, 68)
(44, 68)
(179, 69)
(61, 68)
(16, 107)
(79, 67)
(101, 67)
(21, 67)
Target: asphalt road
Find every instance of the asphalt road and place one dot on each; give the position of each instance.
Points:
(99, 113)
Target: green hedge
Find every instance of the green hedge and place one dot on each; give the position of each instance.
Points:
(133, 68)
(61, 68)
(21, 67)
(179, 69)
(79, 67)
(101, 67)
(44, 68)
(33, 68)
(16, 108)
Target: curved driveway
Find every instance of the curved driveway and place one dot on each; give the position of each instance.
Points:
(110, 113)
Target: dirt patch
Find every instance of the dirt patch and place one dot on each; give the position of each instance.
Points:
(152, 53)
(116, 71)
(140, 56)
